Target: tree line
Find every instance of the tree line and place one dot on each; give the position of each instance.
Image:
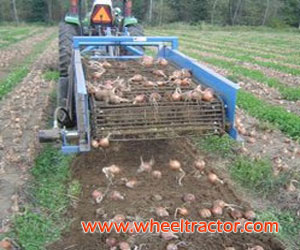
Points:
(220, 12)
(32, 10)
(273, 13)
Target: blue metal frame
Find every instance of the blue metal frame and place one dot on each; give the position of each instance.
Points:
(226, 89)
(123, 41)
(82, 109)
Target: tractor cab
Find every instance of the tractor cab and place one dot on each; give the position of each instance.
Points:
(92, 17)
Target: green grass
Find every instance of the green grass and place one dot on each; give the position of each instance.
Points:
(244, 57)
(241, 40)
(250, 38)
(33, 230)
(52, 191)
(289, 226)
(213, 44)
(288, 93)
(288, 123)
(222, 146)
(237, 29)
(256, 175)
(51, 75)
(13, 34)
(21, 71)
(49, 189)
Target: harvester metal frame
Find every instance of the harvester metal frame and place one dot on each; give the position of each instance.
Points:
(224, 88)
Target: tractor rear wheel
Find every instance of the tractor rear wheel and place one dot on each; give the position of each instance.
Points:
(136, 30)
(66, 34)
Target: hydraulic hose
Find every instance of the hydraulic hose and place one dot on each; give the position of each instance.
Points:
(58, 120)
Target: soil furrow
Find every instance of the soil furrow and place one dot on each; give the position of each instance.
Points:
(284, 59)
(286, 78)
(139, 203)
(14, 55)
(22, 113)
(251, 46)
(271, 95)
(290, 65)
(15, 37)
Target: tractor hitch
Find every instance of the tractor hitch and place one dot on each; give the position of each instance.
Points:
(56, 135)
(51, 135)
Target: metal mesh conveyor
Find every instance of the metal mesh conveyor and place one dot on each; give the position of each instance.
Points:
(157, 120)
(115, 91)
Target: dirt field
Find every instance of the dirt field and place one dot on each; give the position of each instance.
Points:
(14, 55)
(265, 65)
(21, 114)
(140, 203)
(262, 141)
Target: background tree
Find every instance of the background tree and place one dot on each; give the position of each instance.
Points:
(14, 11)
(50, 10)
(275, 13)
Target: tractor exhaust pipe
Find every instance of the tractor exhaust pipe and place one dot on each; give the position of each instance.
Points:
(74, 7)
(128, 8)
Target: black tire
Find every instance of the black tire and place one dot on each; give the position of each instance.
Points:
(66, 100)
(136, 30)
(66, 34)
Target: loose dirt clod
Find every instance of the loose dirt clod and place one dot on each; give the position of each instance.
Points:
(162, 212)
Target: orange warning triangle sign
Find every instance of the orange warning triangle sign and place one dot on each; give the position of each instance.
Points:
(102, 16)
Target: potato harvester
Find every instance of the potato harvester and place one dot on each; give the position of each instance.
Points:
(80, 117)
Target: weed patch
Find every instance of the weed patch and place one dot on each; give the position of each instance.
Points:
(14, 34)
(51, 75)
(223, 146)
(289, 226)
(256, 175)
(52, 192)
(288, 123)
(288, 93)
